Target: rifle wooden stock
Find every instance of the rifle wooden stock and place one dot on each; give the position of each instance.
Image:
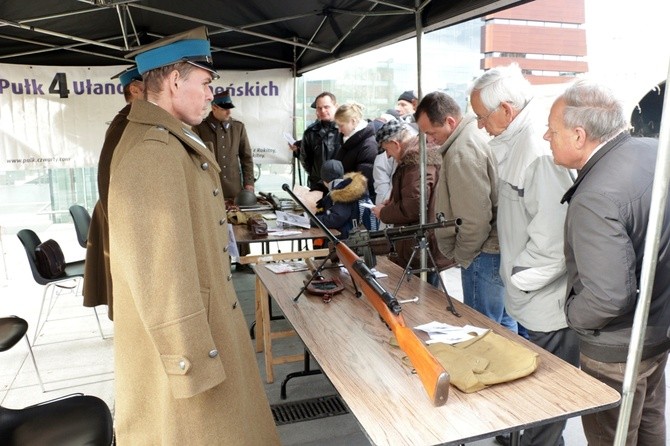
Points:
(431, 373)
(433, 376)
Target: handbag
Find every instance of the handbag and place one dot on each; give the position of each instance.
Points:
(50, 259)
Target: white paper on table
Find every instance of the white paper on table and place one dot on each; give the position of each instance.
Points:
(285, 233)
(232, 244)
(450, 334)
(301, 221)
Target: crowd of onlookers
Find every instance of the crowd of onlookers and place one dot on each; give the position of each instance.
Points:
(554, 215)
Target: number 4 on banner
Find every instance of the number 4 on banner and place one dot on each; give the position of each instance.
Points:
(59, 85)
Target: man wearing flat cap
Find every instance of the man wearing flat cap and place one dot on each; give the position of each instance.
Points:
(400, 141)
(185, 371)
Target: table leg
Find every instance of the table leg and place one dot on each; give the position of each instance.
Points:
(261, 295)
(266, 333)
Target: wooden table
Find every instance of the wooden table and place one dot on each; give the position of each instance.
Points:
(243, 235)
(351, 344)
(261, 329)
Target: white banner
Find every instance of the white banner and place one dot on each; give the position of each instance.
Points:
(56, 117)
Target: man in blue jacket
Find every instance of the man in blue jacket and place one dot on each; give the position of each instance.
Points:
(605, 232)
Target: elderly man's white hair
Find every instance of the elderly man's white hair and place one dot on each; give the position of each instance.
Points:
(595, 108)
(503, 84)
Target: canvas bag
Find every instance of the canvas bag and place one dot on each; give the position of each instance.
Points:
(49, 259)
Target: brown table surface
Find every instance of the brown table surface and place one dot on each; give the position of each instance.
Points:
(243, 235)
(351, 344)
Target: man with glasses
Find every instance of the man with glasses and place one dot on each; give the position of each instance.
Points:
(467, 189)
(530, 219)
(605, 232)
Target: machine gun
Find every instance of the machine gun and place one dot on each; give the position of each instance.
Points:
(363, 242)
(432, 374)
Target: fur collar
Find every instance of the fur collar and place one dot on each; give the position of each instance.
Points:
(352, 187)
(412, 155)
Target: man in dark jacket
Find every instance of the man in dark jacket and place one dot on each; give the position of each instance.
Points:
(605, 232)
(97, 289)
(321, 140)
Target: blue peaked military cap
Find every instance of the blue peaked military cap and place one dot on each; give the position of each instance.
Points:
(128, 75)
(223, 100)
(190, 47)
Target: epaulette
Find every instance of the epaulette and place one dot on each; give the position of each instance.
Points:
(157, 133)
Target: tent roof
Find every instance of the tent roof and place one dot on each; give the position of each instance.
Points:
(245, 34)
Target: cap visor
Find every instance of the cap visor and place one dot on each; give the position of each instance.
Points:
(204, 66)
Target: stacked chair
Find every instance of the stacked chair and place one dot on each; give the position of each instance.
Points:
(72, 420)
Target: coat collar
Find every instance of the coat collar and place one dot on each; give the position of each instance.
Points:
(615, 142)
(214, 123)
(144, 112)
(467, 119)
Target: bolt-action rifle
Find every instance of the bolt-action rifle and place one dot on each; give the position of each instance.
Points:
(432, 374)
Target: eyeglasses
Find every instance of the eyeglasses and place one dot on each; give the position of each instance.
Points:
(481, 119)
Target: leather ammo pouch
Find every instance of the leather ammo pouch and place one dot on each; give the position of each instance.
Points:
(257, 227)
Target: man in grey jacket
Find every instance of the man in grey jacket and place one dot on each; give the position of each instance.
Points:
(605, 232)
(530, 220)
(467, 189)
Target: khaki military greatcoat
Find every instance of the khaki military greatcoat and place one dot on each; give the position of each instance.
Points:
(185, 371)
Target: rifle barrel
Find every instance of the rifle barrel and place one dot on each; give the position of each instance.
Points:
(410, 230)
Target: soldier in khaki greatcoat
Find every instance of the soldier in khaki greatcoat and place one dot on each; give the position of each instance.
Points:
(97, 289)
(185, 371)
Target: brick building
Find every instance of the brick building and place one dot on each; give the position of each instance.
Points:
(545, 37)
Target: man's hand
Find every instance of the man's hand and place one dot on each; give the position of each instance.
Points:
(377, 210)
(249, 187)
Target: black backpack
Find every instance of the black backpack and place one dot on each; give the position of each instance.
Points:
(50, 259)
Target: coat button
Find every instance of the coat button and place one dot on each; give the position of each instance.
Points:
(204, 166)
(234, 305)
(225, 249)
(182, 365)
(229, 277)
(215, 192)
(222, 221)
(213, 353)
